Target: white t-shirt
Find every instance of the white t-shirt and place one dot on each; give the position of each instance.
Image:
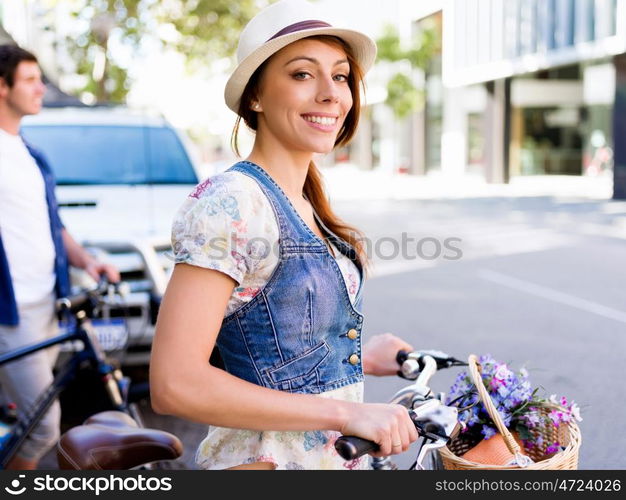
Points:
(24, 222)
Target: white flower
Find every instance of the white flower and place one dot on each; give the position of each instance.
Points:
(553, 399)
(503, 391)
(502, 372)
(575, 410)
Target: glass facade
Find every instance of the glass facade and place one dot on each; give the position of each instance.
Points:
(557, 56)
(490, 39)
(433, 105)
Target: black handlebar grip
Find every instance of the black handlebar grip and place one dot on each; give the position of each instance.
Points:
(351, 447)
(402, 356)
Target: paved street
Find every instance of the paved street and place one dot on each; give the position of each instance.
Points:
(540, 283)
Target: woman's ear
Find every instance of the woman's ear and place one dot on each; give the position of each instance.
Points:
(256, 106)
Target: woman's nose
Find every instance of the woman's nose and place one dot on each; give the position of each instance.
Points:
(328, 91)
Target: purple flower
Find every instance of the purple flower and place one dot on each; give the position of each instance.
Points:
(473, 420)
(503, 391)
(488, 431)
(553, 448)
(506, 418)
(557, 417)
(515, 399)
(566, 417)
(486, 359)
(531, 419)
(495, 383)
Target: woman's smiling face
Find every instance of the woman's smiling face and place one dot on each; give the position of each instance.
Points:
(304, 96)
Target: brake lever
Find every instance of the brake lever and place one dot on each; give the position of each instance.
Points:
(436, 420)
(428, 446)
(437, 424)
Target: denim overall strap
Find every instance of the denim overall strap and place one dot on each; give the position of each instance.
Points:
(346, 249)
(303, 239)
(294, 232)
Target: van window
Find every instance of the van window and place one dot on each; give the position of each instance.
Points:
(105, 154)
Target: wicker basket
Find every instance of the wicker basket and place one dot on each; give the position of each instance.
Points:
(566, 434)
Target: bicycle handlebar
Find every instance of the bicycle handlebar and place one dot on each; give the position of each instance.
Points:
(351, 447)
(421, 365)
(443, 360)
(78, 300)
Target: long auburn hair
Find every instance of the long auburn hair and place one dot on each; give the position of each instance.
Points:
(313, 186)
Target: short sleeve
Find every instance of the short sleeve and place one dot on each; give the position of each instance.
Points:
(223, 225)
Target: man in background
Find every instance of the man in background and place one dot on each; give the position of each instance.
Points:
(35, 252)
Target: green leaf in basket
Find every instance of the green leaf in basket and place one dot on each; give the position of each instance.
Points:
(524, 432)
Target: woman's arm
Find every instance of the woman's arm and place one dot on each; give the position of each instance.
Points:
(183, 383)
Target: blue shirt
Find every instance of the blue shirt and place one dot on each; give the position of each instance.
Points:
(8, 306)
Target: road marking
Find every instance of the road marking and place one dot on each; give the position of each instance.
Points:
(553, 295)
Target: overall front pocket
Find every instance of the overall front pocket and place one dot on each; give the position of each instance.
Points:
(300, 370)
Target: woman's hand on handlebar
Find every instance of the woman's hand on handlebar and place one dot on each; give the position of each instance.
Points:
(388, 425)
(379, 354)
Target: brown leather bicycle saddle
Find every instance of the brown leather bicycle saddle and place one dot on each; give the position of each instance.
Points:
(111, 440)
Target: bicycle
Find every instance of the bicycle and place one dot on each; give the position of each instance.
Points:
(88, 446)
(77, 311)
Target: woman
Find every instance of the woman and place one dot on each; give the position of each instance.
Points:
(266, 270)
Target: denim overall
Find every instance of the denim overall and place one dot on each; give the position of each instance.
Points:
(300, 333)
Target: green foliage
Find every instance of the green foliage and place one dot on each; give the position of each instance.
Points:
(201, 30)
(403, 97)
(389, 45)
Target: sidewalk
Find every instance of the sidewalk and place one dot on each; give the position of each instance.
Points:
(348, 182)
(583, 201)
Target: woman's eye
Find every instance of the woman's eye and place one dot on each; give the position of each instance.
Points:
(301, 75)
(341, 78)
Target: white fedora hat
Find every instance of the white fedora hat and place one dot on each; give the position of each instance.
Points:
(276, 27)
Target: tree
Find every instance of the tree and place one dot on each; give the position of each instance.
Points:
(403, 97)
(202, 30)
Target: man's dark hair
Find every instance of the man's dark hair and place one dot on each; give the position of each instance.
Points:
(10, 57)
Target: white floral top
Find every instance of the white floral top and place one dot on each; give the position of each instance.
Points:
(228, 224)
